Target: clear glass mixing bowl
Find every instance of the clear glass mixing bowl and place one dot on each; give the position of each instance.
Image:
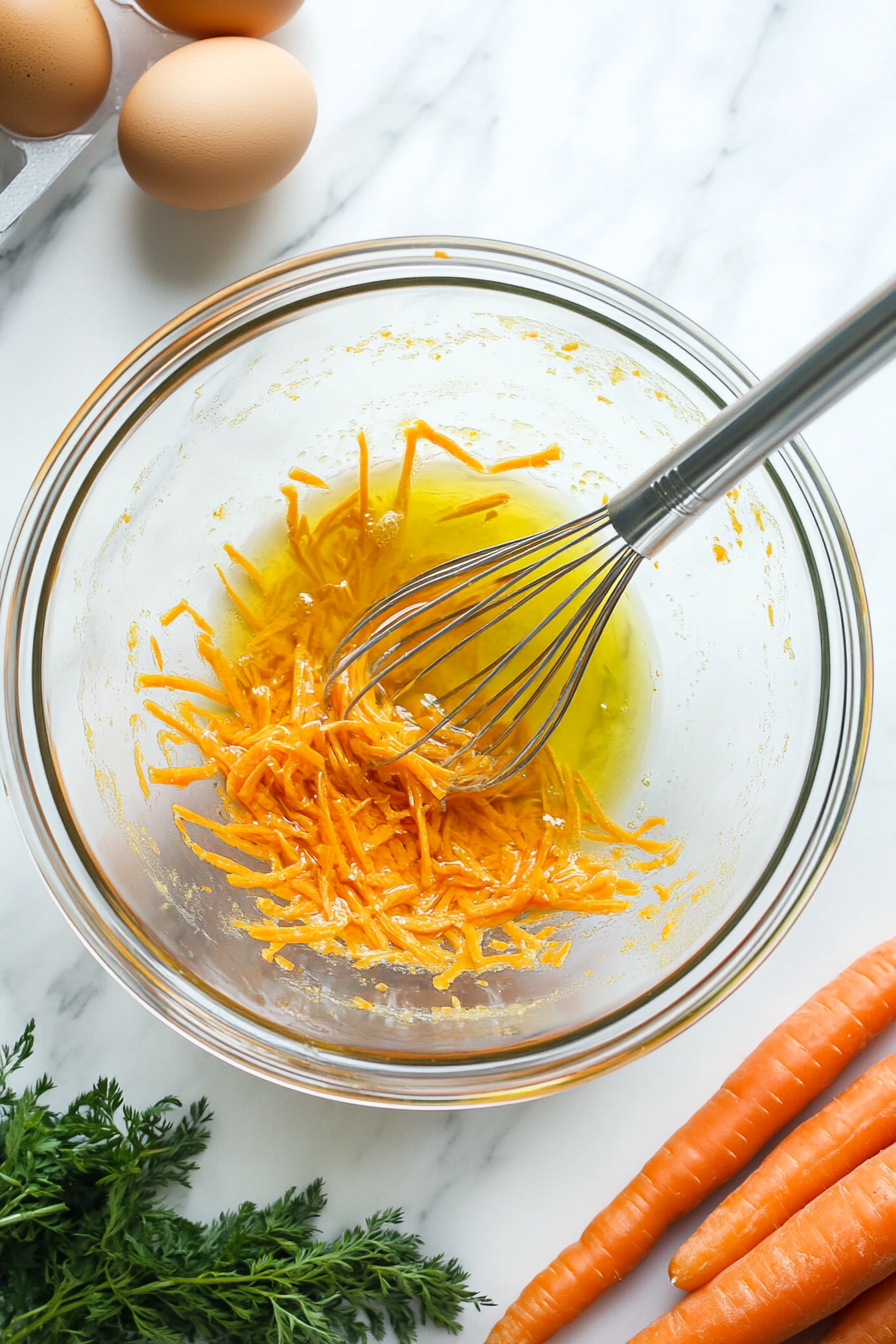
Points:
(761, 654)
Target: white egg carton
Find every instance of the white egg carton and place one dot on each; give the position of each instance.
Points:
(37, 176)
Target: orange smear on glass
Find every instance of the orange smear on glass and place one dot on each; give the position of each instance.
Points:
(425, 431)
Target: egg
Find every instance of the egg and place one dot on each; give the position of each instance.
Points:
(216, 123)
(221, 18)
(55, 64)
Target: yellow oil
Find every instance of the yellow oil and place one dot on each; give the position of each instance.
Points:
(604, 731)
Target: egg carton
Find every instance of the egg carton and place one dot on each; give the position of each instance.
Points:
(37, 176)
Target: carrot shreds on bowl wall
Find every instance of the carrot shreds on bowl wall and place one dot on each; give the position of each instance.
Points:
(353, 855)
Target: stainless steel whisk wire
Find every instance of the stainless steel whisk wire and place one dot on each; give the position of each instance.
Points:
(485, 711)
(533, 679)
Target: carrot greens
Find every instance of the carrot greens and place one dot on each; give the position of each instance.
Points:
(90, 1251)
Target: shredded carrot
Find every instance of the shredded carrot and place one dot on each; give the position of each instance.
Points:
(412, 435)
(181, 775)
(152, 680)
(402, 494)
(307, 478)
(541, 459)
(425, 431)
(476, 506)
(181, 608)
(352, 855)
(141, 774)
(247, 565)
(242, 607)
(837, 1247)
(156, 653)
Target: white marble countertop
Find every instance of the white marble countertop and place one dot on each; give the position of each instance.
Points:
(737, 160)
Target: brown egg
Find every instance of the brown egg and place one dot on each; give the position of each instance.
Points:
(216, 123)
(55, 64)
(221, 18)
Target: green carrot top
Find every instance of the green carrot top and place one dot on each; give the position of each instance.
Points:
(90, 1253)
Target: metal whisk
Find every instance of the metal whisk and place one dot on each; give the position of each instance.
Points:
(493, 646)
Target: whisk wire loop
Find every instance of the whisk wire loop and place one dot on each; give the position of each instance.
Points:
(483, 562)
(628, 565)
(502, 701)
(435, 622)
(479, 566)
(508, 599)
(560, 644)
(560, 650)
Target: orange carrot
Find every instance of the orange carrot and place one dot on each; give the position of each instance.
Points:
(793, 1065)
(307, 478)
(476, 506)
(141, 774)
(870, 1319)
(239, 559)
(541, 459)
(838, 1246)
(245, 611)
(149, 680)
(411, 435)
(425, 431)
(363, 481)
(821, 1152)
(184, 606)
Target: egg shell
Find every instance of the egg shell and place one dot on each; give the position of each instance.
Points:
(216, 123)
(221, 18)
(55, 65)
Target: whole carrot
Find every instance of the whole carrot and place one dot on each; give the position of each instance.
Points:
(838, 1246)
(858, 1124)
(870, 1319)
(789, 1069)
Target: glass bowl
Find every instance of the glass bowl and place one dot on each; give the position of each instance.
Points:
(758, 634)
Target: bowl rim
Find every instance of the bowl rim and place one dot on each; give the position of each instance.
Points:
(522, 1071)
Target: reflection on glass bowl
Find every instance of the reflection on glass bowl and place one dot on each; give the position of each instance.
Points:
(754, 630)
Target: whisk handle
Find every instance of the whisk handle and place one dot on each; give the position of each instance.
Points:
(647, 513)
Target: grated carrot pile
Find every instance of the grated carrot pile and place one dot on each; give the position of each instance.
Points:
(352, 857)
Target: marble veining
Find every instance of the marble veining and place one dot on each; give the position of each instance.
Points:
(737, 160)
